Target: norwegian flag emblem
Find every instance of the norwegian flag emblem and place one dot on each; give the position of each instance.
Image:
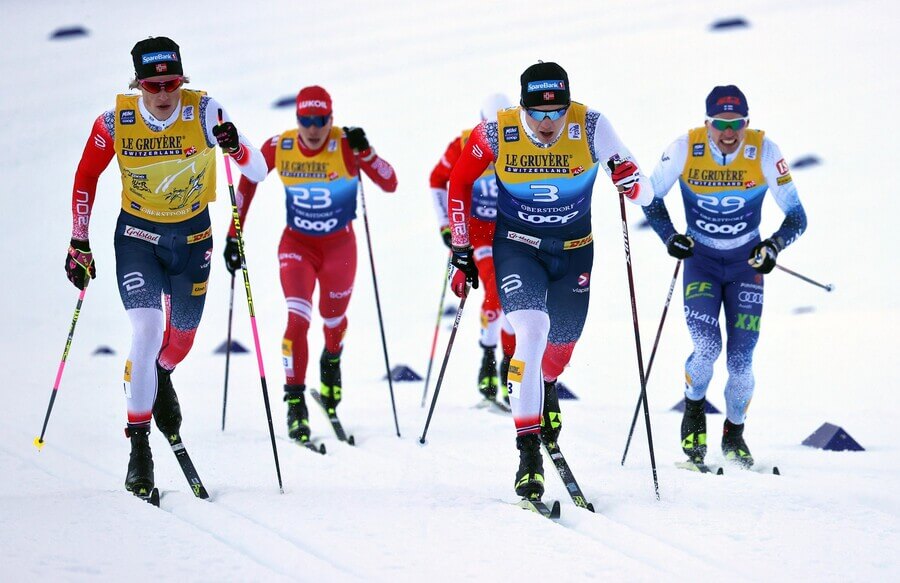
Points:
(549, 96)
(161, 68)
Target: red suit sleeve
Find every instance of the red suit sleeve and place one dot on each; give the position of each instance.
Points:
(98, 151)
(247, 188)
(375, 167)
(476, 156)
(440, 176)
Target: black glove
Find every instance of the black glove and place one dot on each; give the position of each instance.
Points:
(445, 235)
(232, 255)
(463, 270)
(680, 246)
(356, 139)
(763, 256)
(227, 137)
(80, 263)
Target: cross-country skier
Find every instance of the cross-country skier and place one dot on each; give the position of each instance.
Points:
(319, 164)
(545, 153)
(481, 233)
(724, 170)
(164, 139)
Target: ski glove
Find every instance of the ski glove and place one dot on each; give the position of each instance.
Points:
(356, 139)
(80, 263)
(232, 255)
(463, 271)
(626, 176)
(762, 257)
(680, 246)
(227, 137)
(445, 235)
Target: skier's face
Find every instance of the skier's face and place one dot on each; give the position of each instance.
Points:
(314, 130)
(541, 124)
(728, 139)
(161, 94)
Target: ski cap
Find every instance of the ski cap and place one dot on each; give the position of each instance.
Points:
(545, 84)
(313, 100)
(726, 98)
(492, 104)
(155, 56)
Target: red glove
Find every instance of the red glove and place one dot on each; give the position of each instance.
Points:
(626, 176)
(463, 272)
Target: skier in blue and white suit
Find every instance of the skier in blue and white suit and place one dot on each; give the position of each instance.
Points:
(724, 170)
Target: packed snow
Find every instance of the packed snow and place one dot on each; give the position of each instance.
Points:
(819, 81)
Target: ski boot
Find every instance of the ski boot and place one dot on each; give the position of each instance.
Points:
(551, 418)
(166, 410)
(504, 377)
(693, 430)
(297, 414)
(530, 477)
(330, 374)
(734, 448)
(487, 376)
(139, 480)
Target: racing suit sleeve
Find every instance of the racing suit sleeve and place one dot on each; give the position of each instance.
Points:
(440, 178)
(667, 171)
(98, 152)
(476, 156)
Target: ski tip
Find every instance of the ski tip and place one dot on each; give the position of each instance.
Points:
(39, 443)
(351, 440)
(555, 511)
(720, 471)
(322, 449)
(590, 506)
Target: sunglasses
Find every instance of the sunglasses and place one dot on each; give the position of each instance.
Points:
(157, 86)
(313, 120)
(725, 124)
(538, 115)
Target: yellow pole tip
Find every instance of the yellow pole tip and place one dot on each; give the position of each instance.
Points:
(38, 443)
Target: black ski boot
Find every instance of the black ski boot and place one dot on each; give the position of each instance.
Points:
(693, 430)
(487, 376)
(733, 445)
(504, 377)
(297, 414)
(530, 477)
(139, 479)
(551, 418)
(330, 374)
(166, 410)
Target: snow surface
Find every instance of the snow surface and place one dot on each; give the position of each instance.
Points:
(819, 80)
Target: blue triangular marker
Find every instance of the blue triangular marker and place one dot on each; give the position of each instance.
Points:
(236, 348)
(710, 408)
(729, 23)
(449, 311)
(104, 350)
(401, 373)
(563, 392)
(833, 438)
(805, 162)
(68, 32)
(288, 101)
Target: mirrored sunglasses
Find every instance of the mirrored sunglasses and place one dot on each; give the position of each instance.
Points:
(725, 124)
(538, 115)
(157, 86)
(313, 120)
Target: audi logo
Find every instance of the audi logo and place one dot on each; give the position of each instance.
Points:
(750, 297)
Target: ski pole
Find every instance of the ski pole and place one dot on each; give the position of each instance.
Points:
(387, 364)
(228, 351)
(39, 441)
(440, 379)
(637, 342)
(437, 326)
(662, 321)
(235, 218)
(827, 286)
